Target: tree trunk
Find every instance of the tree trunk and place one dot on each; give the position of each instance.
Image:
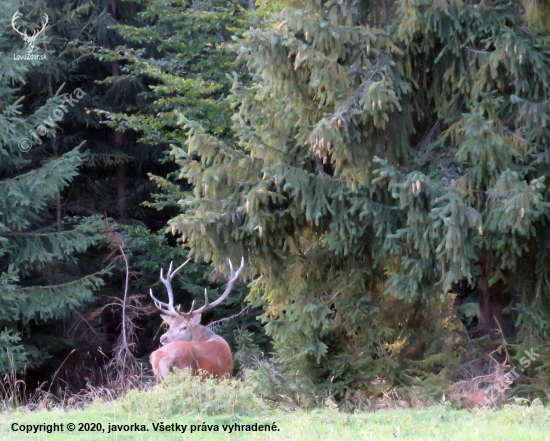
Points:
(112, 7)
(121, 180)
(119, 142)
(492, 300)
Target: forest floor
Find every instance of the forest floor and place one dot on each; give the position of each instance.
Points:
(107, 422)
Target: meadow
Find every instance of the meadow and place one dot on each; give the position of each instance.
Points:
(184, 407)
(513, 422)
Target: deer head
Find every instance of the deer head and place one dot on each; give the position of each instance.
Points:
(185, 326)
(29, 39)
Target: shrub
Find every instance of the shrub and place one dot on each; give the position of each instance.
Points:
(182, 392)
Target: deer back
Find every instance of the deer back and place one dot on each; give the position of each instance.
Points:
(211, 358)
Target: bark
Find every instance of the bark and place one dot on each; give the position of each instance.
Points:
(121, 181)
(112, 7)
(118, 142)
(492, 301)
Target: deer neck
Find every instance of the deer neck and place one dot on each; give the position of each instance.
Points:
(202, 333)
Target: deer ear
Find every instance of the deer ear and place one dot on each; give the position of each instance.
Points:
(196, 319)
(168, 319)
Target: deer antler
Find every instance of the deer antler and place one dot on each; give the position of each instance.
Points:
(44, 23)
(168, 308)
(16, 29)
(45, 20)
(207, 305)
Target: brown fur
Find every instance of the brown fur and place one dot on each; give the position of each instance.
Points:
(212, 356)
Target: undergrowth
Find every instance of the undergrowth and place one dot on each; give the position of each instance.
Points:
(50, 396)
(182, 393)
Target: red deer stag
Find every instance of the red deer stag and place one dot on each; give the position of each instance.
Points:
(188, 344)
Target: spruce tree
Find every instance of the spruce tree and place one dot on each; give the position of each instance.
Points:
(385, 175)
(37, 285)
(177, 52)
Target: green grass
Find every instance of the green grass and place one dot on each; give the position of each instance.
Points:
(511, 423)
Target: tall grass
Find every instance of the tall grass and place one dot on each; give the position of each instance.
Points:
(109, 385)
(182, 393)
(12, 389)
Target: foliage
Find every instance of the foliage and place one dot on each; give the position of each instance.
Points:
(183, 393)
(178, 55)
(148, 252)
(179, 75)
(38, 283)
(380, 164)
(377, 178)
(65, 69)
